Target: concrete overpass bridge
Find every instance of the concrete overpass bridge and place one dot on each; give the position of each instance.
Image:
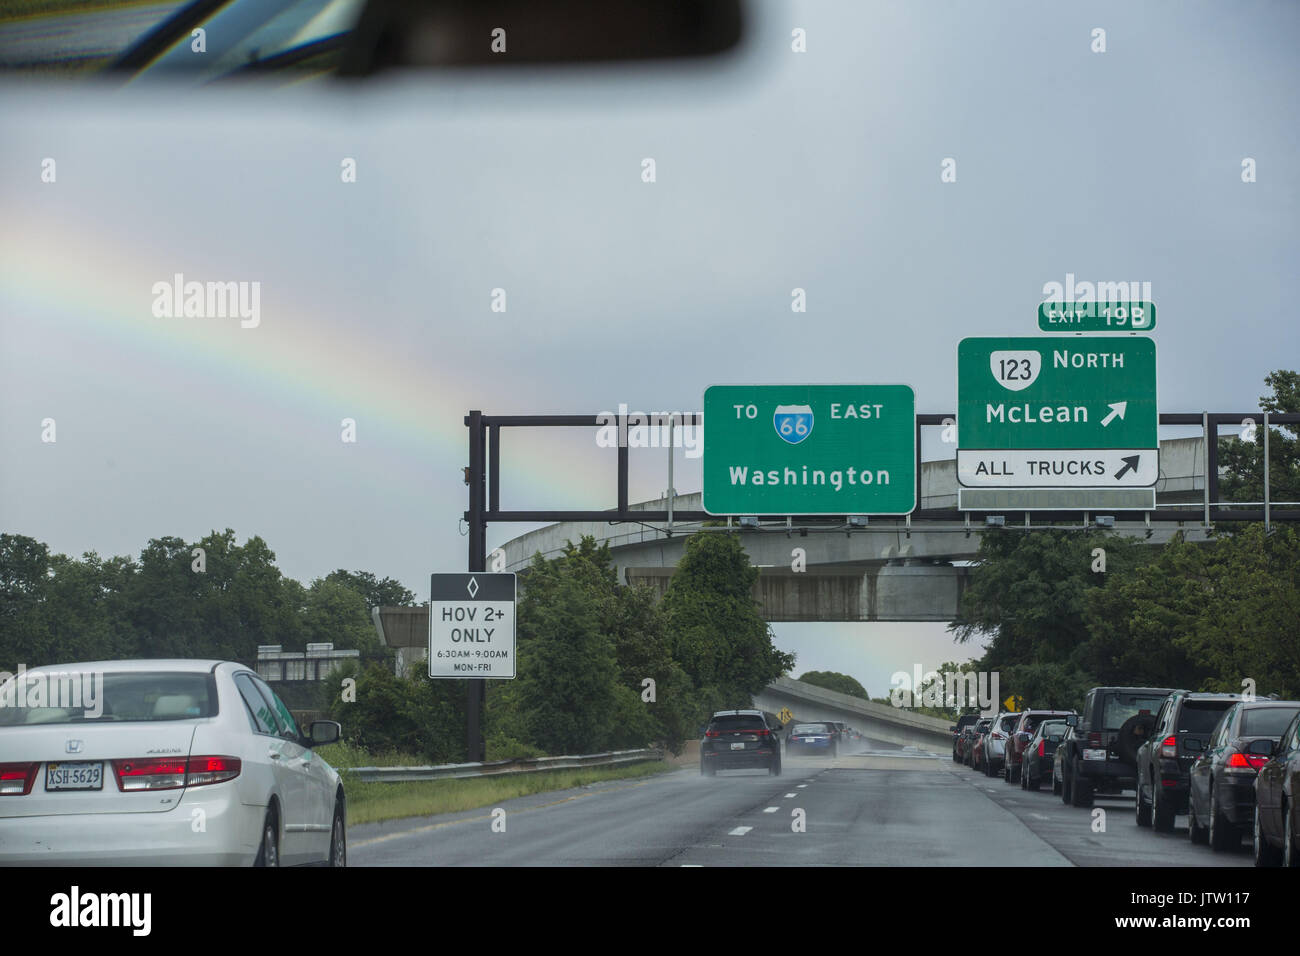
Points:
(894, 569)
(894, 725)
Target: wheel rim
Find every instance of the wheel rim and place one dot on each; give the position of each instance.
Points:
(340, 846)
(272, 846)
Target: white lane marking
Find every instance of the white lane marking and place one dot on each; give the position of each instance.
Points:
(697, 865)
(770, 809)
(1039, 816)
(788, 796)
(740, 831)
(801, 786)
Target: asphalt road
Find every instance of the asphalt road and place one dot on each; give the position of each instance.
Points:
(71, 36)
(887, 807)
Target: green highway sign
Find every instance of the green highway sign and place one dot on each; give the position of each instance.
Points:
(1097, 316)
(809, 449)
(1057, 413)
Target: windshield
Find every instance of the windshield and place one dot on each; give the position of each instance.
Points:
(80, 697)
(1266, 721)
(518, 391)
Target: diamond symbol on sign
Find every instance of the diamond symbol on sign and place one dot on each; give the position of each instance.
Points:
(472, 587)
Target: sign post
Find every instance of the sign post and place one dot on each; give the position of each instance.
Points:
(809, 450)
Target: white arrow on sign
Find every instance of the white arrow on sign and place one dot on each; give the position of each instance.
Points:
(1116, 408)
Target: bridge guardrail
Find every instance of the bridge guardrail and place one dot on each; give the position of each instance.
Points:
(452, 771)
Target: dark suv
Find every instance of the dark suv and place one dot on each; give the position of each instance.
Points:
(737, 739)
(1100, 756)
(1178, 735)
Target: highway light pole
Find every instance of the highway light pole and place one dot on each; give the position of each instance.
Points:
(475, 748)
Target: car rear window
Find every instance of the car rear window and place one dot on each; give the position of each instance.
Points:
(737, 722)
(1009, 722)
(1266, 721)
(810, 729)
(1120, 707)
(1201, 716)
(81, 697)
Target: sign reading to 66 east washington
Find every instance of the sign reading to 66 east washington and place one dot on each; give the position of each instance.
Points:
(472, 625)
(809, 449)
(1034, 413)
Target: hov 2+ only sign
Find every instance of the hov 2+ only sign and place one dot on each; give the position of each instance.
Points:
(1077, 413)
(472, 625)
(809, 449)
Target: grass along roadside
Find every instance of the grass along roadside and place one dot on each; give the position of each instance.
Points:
(373, 802)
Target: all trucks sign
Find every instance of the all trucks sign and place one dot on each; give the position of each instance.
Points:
(1057, 413)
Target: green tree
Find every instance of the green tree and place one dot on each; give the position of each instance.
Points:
(835, 681)
(376, 593)
(715, 630)
(1244, 460)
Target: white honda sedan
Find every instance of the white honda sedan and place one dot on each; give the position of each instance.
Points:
(146, 762)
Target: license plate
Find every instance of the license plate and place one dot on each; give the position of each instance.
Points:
(74, 776)
(737, 746)
(1094, 755)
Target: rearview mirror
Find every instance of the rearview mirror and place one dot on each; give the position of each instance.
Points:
(458, 33)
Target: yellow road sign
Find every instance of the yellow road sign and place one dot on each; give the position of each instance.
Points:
(785, 716)
(1014, 704)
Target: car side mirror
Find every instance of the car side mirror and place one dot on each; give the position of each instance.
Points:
(1072, 720)
(952, 730)
(322, 732)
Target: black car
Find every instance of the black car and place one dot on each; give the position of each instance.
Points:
(1221, 794)
(815, 738)
(739, 739)
(1178, 735)
(1101, 755)
(1277, 803)
(1036, 760)
(964, 721)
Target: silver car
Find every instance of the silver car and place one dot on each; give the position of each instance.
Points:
(162, 762)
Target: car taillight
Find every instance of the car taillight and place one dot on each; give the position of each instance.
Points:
(1042, 746)
(1169, 746)
(1244, 761)
(173, 773)
(712, 733)
(1094, 740)
(16, 779)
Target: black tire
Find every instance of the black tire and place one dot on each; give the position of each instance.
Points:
(1265, 853)
(339, 837)
(268, 854)
(1032, 783)
(1133, 733)
(1162, 816)
(1290, 852)
(1143, 808)
(1195, 832)
(1222, 834)
(1080, 791)
(1056, 784)
(1065, 788)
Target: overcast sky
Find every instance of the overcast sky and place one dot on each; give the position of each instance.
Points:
(774, 170)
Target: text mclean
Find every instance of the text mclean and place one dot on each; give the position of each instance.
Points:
(1028, 414)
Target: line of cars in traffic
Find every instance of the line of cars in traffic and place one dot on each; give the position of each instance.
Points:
(1228, 762)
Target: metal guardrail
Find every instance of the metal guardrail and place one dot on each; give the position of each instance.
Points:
(452, 771)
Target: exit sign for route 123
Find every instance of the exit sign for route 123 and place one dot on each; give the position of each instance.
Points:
(1057, 413)
(809, 449)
